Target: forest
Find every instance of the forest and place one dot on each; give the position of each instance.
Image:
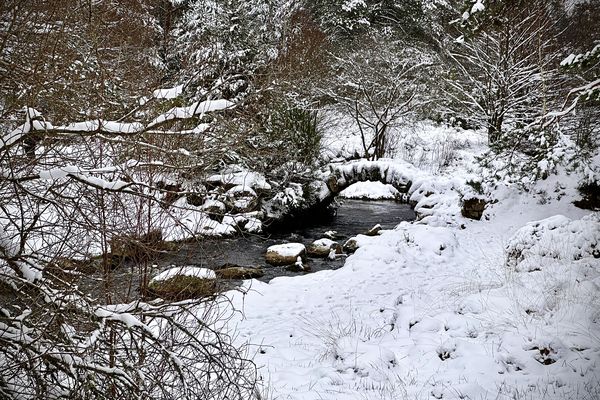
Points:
(311, 199)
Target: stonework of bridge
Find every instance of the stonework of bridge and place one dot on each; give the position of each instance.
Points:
(398, 174)
(402, 175)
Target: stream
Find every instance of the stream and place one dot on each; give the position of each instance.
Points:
(353, 217)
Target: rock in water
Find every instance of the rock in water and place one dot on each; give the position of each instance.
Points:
(322, 248)
(238, 272)
(351, 245)
(187, 282)
(374, 231)
(285, 254)
(331, 234)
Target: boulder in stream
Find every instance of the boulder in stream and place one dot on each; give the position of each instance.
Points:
(185, 282)
(322, 248)
(285, 254)
(351, 245)
(374, 231)
(239, 272)
(331, 235)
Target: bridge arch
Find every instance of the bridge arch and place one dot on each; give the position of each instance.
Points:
(322, 192)
(399, 175)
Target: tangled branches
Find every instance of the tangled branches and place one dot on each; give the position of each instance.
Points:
(57, 343)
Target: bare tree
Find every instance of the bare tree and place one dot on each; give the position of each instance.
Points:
(506, 72)
(379, 85)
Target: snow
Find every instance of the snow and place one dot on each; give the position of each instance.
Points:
(102, 125)
(443, 307)
(253, 225)
(30, 124)
(370, 190)
(74, 171)
(323, 243)
(568, 61)
(243, 180)
(193, 221)
(287, 249)
(197, 108)
(103, 183)
(577, 58)
(196, 272)
(299, 264)
(84, 126)
(126, 318)
(477, 7)
(121, 127)
(168, 93)
(31, 273)
(352, 5)
(570, 5)
(213, 205)
(241, 190)
(59, 173)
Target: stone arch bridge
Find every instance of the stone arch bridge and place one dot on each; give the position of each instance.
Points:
(398, 174)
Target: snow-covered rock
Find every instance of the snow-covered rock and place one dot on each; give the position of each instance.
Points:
(213, 207)
(194, 221)
(241, 191)
(351, 245)
(195, 272)
(242, 180)
(557, 239)
(285, 254)
(322, 248)
(374, 231)
(184, 282)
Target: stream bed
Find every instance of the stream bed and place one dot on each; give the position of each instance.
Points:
(353, 217)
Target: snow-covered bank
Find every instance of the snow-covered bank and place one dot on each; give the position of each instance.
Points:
(371, 191)
(444, 308)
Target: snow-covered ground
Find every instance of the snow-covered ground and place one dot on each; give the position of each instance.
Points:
(370, 190)
(502, 308)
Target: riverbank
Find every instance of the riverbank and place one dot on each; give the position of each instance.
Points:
(445, 308)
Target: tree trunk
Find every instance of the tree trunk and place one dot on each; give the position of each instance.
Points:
(494, 129)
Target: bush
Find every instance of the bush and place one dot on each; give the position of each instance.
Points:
(296, 129)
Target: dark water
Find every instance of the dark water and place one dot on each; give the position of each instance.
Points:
(353, 217)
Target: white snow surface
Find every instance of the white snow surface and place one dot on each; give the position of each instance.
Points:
(197, 108)
(444, 307)
(323, 243)
(242, 180)
(168, 93)
(196, 272)
(193, 221)
(370, 190)
(287, 249)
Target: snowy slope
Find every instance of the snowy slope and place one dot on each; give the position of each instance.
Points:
(494, 309)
